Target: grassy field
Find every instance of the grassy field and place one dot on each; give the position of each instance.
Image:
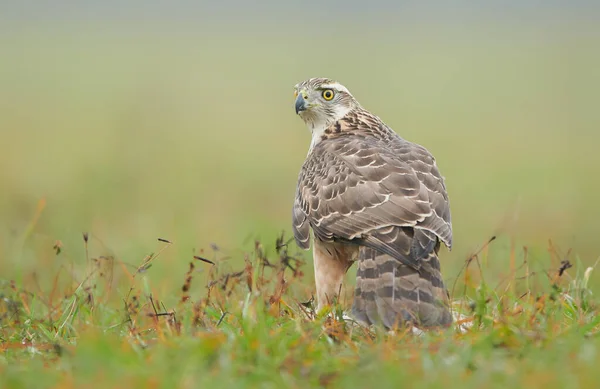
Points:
(113, 138)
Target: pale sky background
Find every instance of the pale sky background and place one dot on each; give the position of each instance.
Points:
(181, 10)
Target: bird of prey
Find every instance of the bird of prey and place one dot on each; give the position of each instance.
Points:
(372, 197)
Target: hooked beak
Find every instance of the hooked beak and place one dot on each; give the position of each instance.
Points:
(300, 103)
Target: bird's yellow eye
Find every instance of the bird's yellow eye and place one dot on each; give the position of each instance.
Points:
(328, 94)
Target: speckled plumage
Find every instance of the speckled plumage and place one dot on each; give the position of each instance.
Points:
(372, 197)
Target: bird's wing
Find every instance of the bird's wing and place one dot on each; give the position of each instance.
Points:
(425, 167)
(353, 187)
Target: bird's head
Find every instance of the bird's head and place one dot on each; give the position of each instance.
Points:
(322, 101)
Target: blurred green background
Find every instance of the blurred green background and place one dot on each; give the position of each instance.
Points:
(182, 127)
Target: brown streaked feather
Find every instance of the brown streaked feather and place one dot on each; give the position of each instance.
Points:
(365, 178)
(392, 294)
(362, 184)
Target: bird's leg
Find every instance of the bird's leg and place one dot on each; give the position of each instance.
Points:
(331, 262)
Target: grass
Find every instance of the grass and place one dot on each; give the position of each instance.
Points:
(129, 134)
(252, 326)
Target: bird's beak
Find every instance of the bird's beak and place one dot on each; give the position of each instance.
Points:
(301, 102)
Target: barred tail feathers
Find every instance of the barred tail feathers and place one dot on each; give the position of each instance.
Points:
(393, 294)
